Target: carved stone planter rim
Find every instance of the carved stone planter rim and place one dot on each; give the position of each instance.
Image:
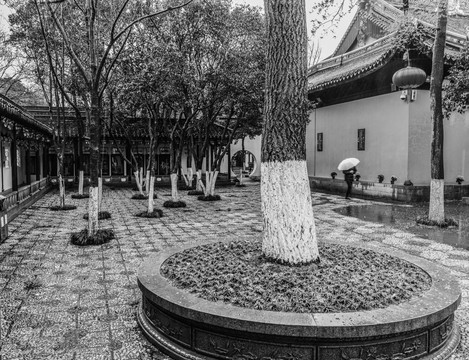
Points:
(423, 310)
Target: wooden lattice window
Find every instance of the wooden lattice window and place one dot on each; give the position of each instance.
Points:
(320, 139)
(361, 139)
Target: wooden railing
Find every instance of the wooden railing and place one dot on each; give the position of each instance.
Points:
(15, 197)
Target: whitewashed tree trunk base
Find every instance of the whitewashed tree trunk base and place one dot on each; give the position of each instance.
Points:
(138, 182)
(93, 209)
(199, 181)
(151, 192)
(62, 191)
(100, 192)
(174, 187)
(147, 182)
(436, 210)
(81, 177)
(289, 229)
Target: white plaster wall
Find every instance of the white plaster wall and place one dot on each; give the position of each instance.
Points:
(420, 138)
(253, 146)
(385, 120)
(456, 147)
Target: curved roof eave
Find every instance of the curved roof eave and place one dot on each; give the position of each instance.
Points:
(15, 112)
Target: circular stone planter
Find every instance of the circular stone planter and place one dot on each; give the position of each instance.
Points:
(188, 327)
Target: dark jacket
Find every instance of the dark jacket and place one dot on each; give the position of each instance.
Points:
(349, 174)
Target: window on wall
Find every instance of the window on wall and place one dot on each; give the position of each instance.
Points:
(320, 141)
(361, 139)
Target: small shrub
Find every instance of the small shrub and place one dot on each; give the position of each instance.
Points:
(80, 196)
(32, 284)
(174, 204)
(424, 220)
(209, 198)
(238, 184)
(63, 208)
(459, 179)
(333, 174)
(357, 176)
(139, 196)
(102, 215)
(380, 178)
(102, 236)
(408, 183)
(393, 179)
(195, 192)
(157, 213)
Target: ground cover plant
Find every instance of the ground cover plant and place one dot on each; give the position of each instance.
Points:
(101, 236)
(209, 197)
(195, 192)
(80, 196)
(63, 208)
(347, 279)
(102, 215)
(139, 196)
(174, 204)
(157, 213)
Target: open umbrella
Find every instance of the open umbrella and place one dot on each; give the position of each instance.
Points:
(347, 164)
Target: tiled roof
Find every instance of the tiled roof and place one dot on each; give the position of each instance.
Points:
(13, 111)
(351, 65)
(369, 58)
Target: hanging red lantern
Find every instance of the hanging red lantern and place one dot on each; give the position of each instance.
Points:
(409, 78)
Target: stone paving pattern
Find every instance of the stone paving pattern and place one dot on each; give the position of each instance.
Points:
(60, 301)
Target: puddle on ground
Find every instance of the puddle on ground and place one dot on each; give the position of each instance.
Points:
(405, 217)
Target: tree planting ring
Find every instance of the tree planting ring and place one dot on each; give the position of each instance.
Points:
(187, 327)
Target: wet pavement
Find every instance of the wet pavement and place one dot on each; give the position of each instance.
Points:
(405, 216)
(60, 301)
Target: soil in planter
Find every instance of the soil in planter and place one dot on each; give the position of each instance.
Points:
(142, 197)
(63, 208)
(102, 236)
(102, 215)
(174, 204)
(209, 198)
(346, 280)
(157, 213)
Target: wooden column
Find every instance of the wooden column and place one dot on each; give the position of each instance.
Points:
(14, 162)
(45, 162)
(128, 167)
(27, 159)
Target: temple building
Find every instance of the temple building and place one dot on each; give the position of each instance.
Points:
(360, 113)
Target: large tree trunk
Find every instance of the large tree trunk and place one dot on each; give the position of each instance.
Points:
(95, 142)
(437, 184)
(289, 229)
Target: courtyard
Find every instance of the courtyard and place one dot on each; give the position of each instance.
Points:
(60, 301)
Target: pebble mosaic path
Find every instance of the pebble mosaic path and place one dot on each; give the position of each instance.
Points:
(60, 301)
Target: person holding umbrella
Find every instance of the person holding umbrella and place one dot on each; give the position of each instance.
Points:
(348, 167)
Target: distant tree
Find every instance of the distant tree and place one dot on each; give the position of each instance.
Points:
(106, 27)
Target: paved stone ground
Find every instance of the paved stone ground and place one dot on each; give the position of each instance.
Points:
(60, 301)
